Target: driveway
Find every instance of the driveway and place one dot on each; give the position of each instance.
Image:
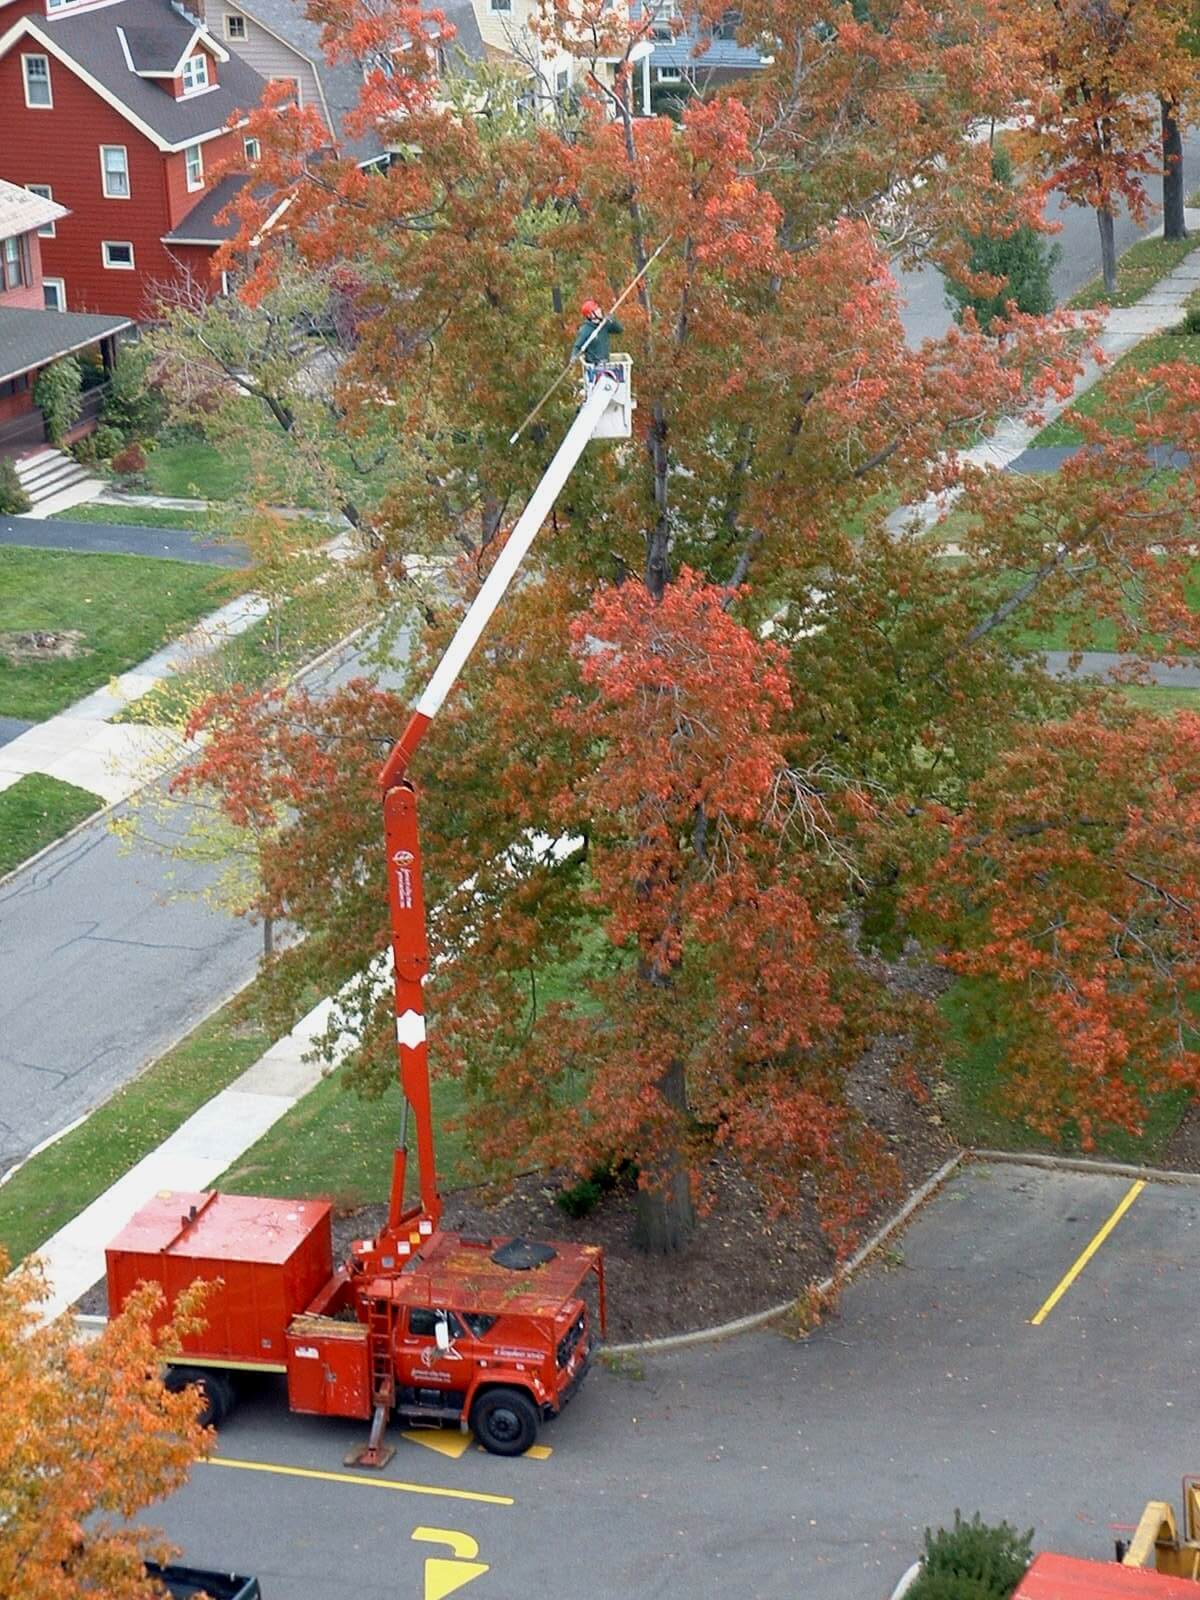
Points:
(111, 538)
(770, 1468)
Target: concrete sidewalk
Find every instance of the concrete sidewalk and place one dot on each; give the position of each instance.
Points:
(1123, 328)
(209, 1142)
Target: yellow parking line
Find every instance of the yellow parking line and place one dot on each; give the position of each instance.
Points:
(362, 1483)
(1086, 1255)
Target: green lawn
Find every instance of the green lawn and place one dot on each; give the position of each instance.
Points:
(336, 1146)
(101, 511)
(196, 470)
(1094, 402)
(1161, 699)
(35, 811)
(56, 1185)
(1138, 270)
(973, 1069)
(123, 608)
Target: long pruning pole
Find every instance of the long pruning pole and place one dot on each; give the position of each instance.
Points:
(570, 366)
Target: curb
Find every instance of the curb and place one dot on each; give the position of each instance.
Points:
(107, 809)
(1107, 1169)
(760, 1319)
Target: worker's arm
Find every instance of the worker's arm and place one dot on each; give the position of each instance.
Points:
(613, 325)
(581, 338)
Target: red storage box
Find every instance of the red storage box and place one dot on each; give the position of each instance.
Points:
(272, 1257)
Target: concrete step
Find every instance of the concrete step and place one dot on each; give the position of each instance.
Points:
(55, 481)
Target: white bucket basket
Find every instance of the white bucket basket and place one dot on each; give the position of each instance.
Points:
(616, 420)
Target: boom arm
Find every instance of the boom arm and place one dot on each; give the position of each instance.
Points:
(410, 946)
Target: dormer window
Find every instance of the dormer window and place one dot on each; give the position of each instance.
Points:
(195, 73)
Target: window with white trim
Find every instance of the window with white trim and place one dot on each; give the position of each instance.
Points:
(500, 5)
(114, 171)
(118, 254)
(193, 160)
(38, 94)
(54, 294)
(47, 193)
(253, 150)
(195, 73)
(14, 263)
(235, 26)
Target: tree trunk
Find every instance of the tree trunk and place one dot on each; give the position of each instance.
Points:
(665, 1213)
(1108, 249)
(1172, 184)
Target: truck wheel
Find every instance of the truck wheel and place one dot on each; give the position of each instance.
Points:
(216, 1391)
(504, 1421)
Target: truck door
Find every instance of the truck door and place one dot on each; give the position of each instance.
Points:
(433, 1359)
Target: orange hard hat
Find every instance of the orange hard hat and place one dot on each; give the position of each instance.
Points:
(592, 308)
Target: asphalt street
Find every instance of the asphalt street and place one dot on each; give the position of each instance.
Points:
(766, 1467)
(92, 538)
(924, 311)
(107, 958)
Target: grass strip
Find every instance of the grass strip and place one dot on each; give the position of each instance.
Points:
(114, 610)
(35, 811)
(55, 1186)
(107, 513)
(1095, 402)
(1138, 270)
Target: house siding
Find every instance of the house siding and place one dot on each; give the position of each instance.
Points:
(269, 56)
(37, 149)
(29, 296)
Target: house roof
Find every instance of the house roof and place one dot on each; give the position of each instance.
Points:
(341, 82)
(30, 339)
(21, 211)
(200, 226)
(687, 52)
(97, 44)
(156, 50)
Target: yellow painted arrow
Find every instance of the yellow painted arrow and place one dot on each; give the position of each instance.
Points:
(444, 1577)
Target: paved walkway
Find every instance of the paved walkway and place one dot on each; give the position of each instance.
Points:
(197, 1153)
(82, 745)
(1100, 663)
(1162, 308)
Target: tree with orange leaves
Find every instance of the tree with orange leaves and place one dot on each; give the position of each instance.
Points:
(89, 1436)
(700, 740)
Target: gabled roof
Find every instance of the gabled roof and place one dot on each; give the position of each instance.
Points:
(93, 45)
(153, 50)
(22, 212)
(341, 82)
(32, 339)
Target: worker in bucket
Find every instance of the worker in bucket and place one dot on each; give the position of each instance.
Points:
(596, 332)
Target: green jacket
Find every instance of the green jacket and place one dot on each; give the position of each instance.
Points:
(600, 349)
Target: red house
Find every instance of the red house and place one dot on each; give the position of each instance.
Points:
(32, 338)
(120, 110)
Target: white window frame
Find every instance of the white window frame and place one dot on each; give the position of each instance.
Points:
(110, 194)
(198, 85)
(117, 244)
(252, 157)
(668, 75)
(44, 192)
(37, 105)
(230, 18)
(500, 7)
(59, 285)
(197, 183)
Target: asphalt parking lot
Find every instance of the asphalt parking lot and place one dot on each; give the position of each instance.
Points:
(769, 1467)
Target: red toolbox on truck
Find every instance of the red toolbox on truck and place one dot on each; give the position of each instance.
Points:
(272, 1257)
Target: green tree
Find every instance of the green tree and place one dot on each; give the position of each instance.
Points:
(1015, 263)
(58, 393)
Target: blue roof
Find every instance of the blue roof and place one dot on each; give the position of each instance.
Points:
(688, 50)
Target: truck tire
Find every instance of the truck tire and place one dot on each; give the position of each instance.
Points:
(216, 1391)
(505, 1421)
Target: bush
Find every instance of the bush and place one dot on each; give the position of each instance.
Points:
(106, 442)
(972, 1561)
(58, 391)
(130, 460)
(134, 404)
(14, 502)
(578, 1199)
(1190, 323)
(1024, 258)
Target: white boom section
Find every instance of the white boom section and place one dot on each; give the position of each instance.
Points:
(541, 502)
